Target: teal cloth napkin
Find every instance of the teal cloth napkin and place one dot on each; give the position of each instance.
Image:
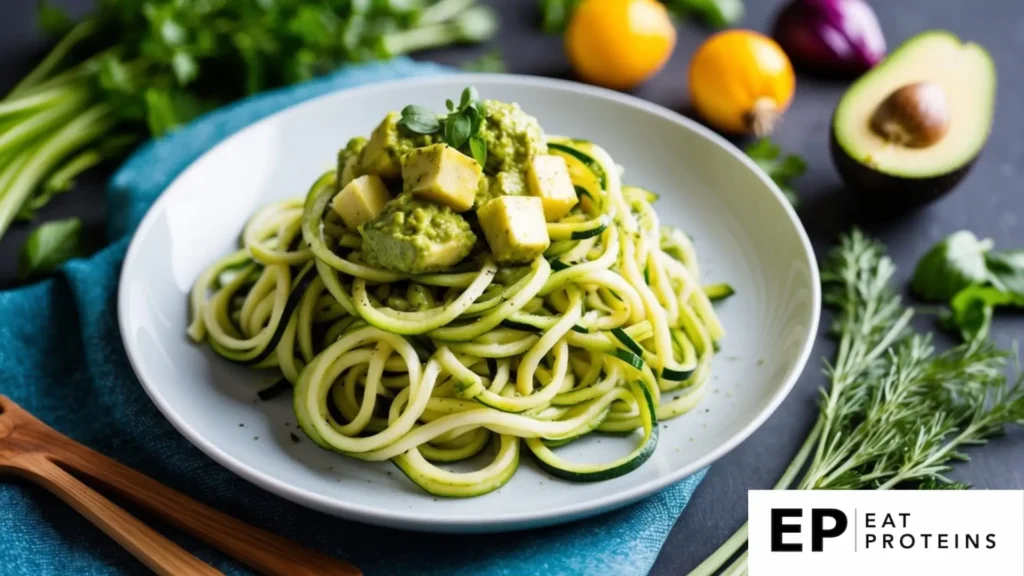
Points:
(61, 358)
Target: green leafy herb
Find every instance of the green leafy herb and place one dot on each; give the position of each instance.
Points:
(1006, 270)
(972, 308)
(963, 271)
(897, 414)
(479, 150)
(492, 62)
(49, 246)
(950, 266)
(781, 169)
(148, 66)
(716, 13)
(52, 19)
(420, 120)
(459, 128)
(556, 14)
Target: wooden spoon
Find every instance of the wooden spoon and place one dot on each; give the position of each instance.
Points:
(33, 450)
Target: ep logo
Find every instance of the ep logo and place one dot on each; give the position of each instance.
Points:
(824, 523)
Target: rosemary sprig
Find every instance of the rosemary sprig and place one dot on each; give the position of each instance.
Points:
(897, 414)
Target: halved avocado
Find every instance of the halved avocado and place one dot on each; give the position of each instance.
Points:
(926, 136)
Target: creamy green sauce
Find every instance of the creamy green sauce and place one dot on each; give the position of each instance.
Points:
(416, 236)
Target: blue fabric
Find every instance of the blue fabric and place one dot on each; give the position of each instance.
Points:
(61, 358)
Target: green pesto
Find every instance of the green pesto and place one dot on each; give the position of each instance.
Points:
(508, 183)
(511, 135)
(346, 170)
(416, 236)
(394, 141)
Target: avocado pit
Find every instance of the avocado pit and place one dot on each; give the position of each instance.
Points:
(915, 115)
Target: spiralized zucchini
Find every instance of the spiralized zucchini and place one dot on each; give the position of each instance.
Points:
(609, 331)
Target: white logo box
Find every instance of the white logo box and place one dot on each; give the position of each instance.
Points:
(934, 533)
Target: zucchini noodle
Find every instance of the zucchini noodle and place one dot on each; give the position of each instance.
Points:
(608, 332)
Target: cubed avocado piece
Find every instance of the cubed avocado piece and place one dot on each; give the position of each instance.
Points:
(416, 236)
(361, 200)
(387, 144)
(515, 228)
(348, 161)
(548, 179)
(442, 174)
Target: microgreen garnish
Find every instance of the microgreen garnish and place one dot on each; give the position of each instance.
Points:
(459, 128)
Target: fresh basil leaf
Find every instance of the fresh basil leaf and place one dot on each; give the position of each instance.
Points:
(51, 245)
(479, 149)
(475, 119)
(1006, 270)
(782, 170)
(420, 120)
(449, 104)
(973, 306)
(951, 266)
(469, 96)
(457, 130)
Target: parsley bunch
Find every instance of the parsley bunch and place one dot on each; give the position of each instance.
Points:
(136, 68)
(459, 128)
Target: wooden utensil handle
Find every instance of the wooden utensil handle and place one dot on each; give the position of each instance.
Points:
(258, 549)
(155, 551)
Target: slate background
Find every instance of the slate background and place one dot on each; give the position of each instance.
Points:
(989, 202)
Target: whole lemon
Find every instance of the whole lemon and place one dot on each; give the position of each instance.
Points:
(619, 43)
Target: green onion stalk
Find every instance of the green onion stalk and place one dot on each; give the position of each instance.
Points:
(136, 69)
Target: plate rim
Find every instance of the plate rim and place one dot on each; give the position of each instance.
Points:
(516, 520)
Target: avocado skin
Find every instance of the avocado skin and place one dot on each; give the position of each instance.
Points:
(892, 195)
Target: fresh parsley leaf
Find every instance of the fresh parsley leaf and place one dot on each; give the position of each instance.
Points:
(419, 120)
(492, 62)
(49, 246)
(479, 149)
(1006, 270)
(951, 266)
(457, 130)
(972, 309)
(782, 170)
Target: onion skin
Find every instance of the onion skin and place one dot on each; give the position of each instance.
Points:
(837, 37)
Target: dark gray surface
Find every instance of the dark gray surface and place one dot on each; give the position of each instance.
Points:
(989, 202)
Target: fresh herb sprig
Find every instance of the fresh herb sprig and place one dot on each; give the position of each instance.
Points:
(781, 169)
(135, 68)
(459, 128)
(897, 414)
(964, 272)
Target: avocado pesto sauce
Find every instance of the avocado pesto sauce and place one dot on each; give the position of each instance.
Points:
(461, 280)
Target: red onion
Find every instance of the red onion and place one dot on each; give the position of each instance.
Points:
(833, 36)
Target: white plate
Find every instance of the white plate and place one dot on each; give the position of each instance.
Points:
(744, 230)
